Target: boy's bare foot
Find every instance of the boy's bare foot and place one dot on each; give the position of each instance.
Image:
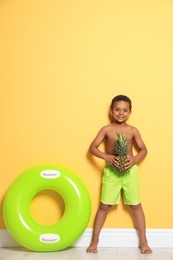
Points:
(92, 247)
(145, 249)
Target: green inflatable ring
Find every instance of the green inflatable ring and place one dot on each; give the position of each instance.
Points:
(16, 209)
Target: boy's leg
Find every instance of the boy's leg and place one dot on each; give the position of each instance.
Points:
(99, 221)
(141, 226)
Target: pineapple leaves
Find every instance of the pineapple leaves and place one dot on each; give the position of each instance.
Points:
(121, 148)
(121, 145)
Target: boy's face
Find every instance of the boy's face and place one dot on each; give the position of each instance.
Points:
(120, 111)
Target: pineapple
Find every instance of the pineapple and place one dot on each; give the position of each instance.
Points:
(121, 148)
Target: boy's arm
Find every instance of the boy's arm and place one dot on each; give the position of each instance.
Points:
(93, 149)
(142, 150)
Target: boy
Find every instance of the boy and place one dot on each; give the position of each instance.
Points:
(120, 111)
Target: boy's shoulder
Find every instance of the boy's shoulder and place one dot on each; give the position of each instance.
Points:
(108, 127)
(131, 128)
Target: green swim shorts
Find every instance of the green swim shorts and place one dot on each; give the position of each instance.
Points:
(113, 183)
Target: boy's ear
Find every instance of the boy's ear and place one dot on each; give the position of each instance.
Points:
(110, 111)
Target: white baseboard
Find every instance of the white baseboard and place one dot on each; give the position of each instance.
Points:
(114, 237)
(109, 237)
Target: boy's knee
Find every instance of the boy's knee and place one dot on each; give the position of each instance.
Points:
(136, 207)
(104, 207)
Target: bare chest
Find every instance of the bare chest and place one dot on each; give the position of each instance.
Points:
(110, 141)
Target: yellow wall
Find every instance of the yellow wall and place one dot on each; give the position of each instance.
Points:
(61, 63)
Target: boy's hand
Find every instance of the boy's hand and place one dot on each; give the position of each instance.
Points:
(113, 160)
(129, 163)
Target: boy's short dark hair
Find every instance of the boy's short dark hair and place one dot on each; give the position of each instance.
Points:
(121, 98)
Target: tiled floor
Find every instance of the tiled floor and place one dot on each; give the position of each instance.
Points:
(80, 254)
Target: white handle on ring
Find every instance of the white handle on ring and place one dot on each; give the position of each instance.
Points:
(49, 238)
(50, 174)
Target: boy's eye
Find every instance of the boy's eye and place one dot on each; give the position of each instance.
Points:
(117, 109)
